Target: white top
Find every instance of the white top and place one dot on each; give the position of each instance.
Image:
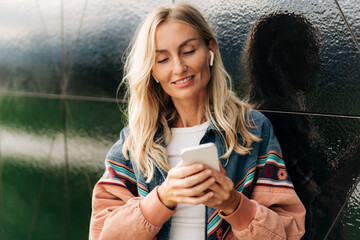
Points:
(189, 220)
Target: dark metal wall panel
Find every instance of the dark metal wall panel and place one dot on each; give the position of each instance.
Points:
(341, 59)
(72, 46)
(43, 47)
(52, 150)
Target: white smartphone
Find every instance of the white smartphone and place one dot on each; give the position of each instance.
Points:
(203, 153)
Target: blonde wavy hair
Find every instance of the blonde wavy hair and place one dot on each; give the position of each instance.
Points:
(149, 106)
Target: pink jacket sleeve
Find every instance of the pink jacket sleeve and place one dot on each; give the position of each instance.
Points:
(117, 214)
(272, 213)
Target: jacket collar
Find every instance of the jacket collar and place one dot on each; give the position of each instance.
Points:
(158, 135)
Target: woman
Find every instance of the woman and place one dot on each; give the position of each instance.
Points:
(179, 97)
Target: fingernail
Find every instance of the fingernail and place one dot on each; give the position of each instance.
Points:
(208, 172)
(200, 166)
(212, 180)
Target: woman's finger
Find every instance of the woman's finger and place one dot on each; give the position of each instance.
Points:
(199, 189)
(222, 179)
(195, 179)
(222, 170)
(182, 171)
(198, 199)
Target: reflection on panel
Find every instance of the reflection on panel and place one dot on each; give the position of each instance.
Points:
(352, 215)
(322, 157)
(46, 46)
(31, 141)
(340, 73)
(52, 154)
(83, 52)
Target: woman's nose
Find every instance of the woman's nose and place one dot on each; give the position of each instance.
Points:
(179, 66)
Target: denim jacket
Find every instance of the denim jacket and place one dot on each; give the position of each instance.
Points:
(126, 207)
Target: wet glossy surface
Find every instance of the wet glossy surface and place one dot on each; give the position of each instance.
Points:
(351, 217)
(341, 60)
(35, 45)
(49, 166)
(41, 52)
(52, 151)
(326, 149)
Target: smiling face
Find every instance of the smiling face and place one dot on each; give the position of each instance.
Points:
(181, 62)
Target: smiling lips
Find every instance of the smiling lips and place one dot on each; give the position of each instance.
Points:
(183, 80)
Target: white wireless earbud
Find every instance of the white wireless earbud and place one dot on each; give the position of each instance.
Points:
(211, 58)
(154, 78)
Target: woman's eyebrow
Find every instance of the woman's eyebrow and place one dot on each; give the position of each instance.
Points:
(186, 42)
(180, 46)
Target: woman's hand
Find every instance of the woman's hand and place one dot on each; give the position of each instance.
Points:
(187, 184)
(225, 197)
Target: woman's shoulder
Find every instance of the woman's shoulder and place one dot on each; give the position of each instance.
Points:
(263, 129)
(257, 119)
(115, 153)
(124, 133)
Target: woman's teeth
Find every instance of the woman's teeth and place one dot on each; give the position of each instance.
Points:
(184, 80)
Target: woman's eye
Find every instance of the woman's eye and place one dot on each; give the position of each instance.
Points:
(189, 52)
(163, 60)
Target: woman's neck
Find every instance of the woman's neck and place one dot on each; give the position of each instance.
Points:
(189, 114)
